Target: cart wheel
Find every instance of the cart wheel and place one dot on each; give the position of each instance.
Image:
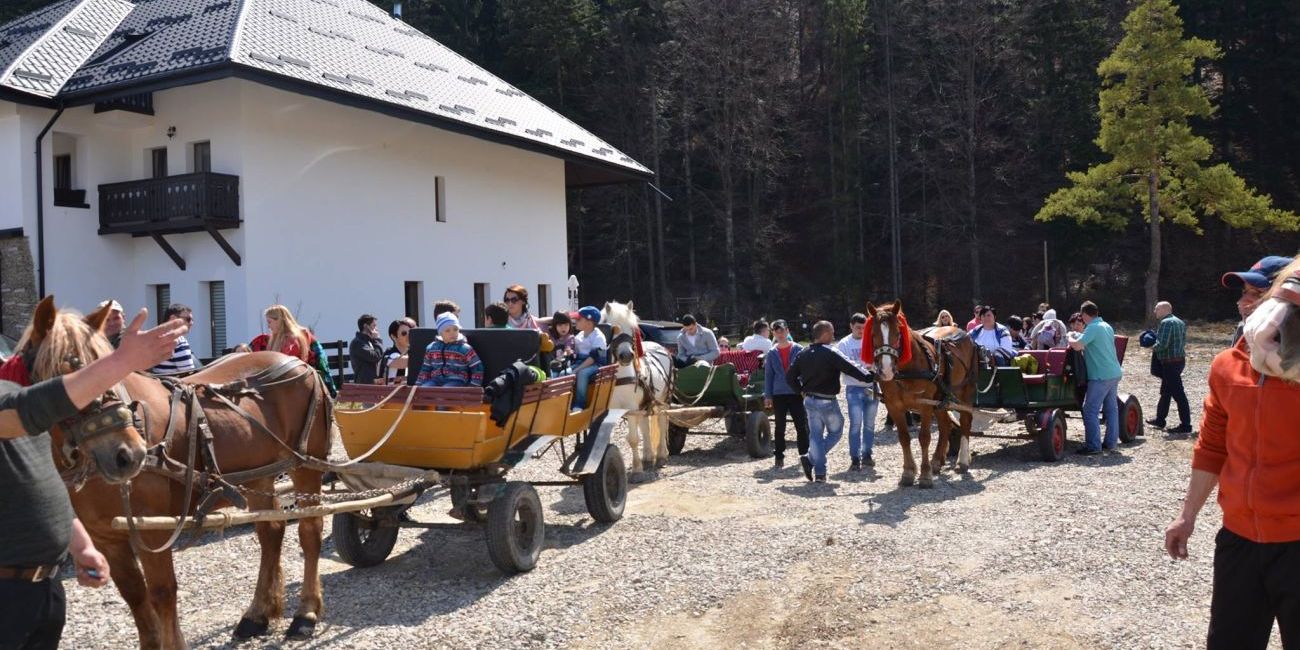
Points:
(360, 539)
(1051, 438)
(676, 439)
(606, 490)
(1130, 419)
(1031, 426)
(735, 424)
(758, 435)
(515, 528)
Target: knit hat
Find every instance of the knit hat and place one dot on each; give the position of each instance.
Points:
(446, 320)
(590, 313)
(1049, 314)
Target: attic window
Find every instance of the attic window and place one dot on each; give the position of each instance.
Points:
(80, 32)
(128, 39)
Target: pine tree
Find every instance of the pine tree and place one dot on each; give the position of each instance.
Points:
(1146, 103)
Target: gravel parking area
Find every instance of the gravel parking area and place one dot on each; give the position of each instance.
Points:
(723, 551)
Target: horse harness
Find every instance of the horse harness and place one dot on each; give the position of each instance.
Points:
(637, 379)
(936, 368)
(204, 474)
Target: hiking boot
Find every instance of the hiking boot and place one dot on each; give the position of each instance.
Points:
(820, 478)
(1085, 451)
(868, 461)
(1157, 423)
(855, 465)
(807, 467)
(1182, 428)
(778, 461)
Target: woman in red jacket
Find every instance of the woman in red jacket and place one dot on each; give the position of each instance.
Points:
(1249, 446)
(284, 335)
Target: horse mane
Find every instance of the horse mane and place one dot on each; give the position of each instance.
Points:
(621, 316)
(70, 337)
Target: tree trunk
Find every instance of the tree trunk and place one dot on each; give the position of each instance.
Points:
(1153, 266)
(895, 228)
(971, 108)
(690, 189)
(658, 248)
(729, 235)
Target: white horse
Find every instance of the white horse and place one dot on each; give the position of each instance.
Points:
(642, 385)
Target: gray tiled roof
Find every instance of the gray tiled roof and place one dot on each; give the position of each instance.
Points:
(341, 48)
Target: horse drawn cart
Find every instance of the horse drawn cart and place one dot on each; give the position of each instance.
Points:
(411, 442)
(1041, 400)
(473, 445)
(731, 388)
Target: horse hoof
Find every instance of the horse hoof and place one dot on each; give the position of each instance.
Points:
(925, 483)
(964, 469)
(301, 628)
(638, 477)
(661, 463)
(906, 481)
(248, 628)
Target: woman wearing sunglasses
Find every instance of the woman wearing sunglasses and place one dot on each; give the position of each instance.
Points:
(516, 300)
(395, 358)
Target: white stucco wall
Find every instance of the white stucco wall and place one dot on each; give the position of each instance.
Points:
(337, 203)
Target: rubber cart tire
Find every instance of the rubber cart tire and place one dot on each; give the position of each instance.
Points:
(359, 539)
(1130, 419)
(1052, 437)
(758, 435)
(515, 529)
(676, 439)
(606, 490)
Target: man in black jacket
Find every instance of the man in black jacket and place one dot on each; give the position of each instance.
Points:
(816, 374)
(40, 527)
(366, 350)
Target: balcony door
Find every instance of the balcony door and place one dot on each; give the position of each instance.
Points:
(158, 162)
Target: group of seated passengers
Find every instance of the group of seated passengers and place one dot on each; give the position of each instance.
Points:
(1005, 342)
(450, 361)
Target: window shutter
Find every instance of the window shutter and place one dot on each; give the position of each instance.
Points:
(217, 307)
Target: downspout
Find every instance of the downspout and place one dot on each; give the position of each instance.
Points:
(40, 204)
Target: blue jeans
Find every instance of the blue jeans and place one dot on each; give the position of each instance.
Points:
(825, 426)
(584, 379)
(862, 420)
(1101, 393)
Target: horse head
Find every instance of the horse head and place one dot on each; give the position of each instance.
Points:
(891, 338)
(107, 431)
(623, 325)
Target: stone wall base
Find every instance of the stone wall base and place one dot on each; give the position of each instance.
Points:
(17, 285)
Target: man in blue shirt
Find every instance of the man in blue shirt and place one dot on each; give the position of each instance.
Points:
(1097, 343)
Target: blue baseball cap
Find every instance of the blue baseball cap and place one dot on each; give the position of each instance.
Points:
(1260, 276)
(590, 313)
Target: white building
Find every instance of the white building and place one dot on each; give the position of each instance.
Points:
(232, 154)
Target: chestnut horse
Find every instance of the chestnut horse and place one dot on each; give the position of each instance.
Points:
(141, 426)
(915, 375)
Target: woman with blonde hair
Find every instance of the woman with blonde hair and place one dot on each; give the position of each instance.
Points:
(944, 319)
(284, 335)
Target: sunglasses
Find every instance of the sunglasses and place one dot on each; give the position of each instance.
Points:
(513, 299)
(403, 332)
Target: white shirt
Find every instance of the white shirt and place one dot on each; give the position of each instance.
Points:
(852, 349)
(989, 339)
(756, 343)
(584, 343)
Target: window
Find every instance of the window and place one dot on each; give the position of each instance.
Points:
(63, 172)
(440, 199)
(481, 293)
(162, 298)
(414, 293)
(217, 310)
(543, 300)
(158, 162)
(201, 157)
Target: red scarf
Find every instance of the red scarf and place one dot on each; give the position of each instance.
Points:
(904, 341)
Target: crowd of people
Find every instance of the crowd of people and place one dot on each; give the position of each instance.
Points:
(1247, 447)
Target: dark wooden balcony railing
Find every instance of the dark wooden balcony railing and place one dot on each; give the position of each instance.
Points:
(175, 204)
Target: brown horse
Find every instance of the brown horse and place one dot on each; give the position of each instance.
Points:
(140, 426)
(915, 376)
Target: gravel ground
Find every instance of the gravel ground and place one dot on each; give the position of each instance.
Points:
(723, 551)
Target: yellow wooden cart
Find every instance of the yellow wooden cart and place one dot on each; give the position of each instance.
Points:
(472, 437)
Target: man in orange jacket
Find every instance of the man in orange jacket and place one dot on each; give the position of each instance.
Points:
(1249, 447)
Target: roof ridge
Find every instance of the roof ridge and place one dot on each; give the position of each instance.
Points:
(237, 32)
(35, 13)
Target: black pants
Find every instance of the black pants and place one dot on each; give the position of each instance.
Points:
(1253, 585)
(791, 405)
(31, 614)
(1171, 388)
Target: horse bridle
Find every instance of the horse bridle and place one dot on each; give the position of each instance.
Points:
(111, 412)
(887, 348)
(619, 339)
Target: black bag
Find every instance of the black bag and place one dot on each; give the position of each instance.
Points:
(1157, 368)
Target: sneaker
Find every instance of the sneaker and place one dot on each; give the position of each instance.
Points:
(867, 461)
(1159, 424)
(807, 467)
(1085, 451)
(779, 461)
(1111, 450)
(855, 465)
(820, 478)
(1182, 428)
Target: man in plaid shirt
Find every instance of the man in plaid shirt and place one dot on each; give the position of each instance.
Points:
(1171, 341)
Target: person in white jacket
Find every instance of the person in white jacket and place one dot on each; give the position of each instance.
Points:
(760, 341)
(994, 337)
(861, 397)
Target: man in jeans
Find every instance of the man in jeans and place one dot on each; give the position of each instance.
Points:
(1171, 339)
(1097, 343)
(861, 397)
(780, 397)
(815, 373)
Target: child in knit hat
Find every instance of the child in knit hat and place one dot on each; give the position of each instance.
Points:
(449, 360)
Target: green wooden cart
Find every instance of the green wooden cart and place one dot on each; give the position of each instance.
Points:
(730, 389)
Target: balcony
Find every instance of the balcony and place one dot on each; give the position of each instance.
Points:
(171, 205)
(198, 202)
